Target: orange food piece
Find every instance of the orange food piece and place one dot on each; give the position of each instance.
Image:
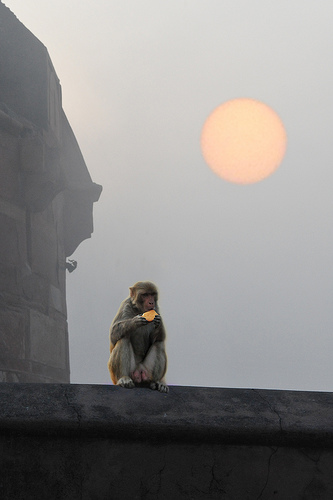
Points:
(150, 315)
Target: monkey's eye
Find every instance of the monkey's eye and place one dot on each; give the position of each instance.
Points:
(148, 294)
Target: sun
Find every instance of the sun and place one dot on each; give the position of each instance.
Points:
(243, 141)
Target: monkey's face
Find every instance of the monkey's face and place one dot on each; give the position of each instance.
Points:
(144, 296)
(148, 301)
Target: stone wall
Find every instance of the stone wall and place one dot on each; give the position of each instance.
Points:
(99, 442)
(46, 203)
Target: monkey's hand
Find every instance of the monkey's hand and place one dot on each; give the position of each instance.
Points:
(139, 321)
(157, 321)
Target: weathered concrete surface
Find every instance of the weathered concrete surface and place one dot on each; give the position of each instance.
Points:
(91, 442)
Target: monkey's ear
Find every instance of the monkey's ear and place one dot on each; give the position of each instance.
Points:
(132, 291)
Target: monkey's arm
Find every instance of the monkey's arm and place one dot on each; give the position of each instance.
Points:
(158, 334)
(126, 321)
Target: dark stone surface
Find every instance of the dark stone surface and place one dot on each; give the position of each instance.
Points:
(101, 442)
(242, 416)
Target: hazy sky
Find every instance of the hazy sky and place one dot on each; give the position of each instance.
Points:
(245, 272)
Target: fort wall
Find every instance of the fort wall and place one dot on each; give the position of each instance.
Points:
(46, 205)
(92, 441)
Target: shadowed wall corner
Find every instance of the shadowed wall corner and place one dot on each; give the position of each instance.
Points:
(46, 207)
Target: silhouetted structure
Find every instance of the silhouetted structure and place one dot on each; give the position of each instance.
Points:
(46, 201)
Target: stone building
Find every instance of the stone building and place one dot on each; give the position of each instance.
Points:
(46, 204)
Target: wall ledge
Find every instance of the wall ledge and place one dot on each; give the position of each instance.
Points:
(189, 414)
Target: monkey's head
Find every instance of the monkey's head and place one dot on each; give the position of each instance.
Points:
(144, 296)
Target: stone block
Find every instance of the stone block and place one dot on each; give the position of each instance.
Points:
(9, 377)
(13, 246)
(36, 291)
(32, 153)
(12, 333)
(48, 340)
(54, 102)
(13, 212)
(44, 245)
(57, 299)
(47, 374)
(9, 283)
(23, 79)
(9, 182)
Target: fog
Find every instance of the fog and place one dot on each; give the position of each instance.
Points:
(244, 272)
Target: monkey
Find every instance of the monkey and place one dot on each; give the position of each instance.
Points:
(137, 347)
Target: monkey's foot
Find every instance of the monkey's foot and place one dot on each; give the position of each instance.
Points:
(159, 386)
(126, 382)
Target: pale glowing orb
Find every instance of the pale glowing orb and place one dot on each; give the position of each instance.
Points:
(243, 141)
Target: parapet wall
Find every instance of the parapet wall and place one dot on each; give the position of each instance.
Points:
(103, 442)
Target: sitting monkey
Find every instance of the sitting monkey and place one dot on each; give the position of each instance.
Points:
(137, 347)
